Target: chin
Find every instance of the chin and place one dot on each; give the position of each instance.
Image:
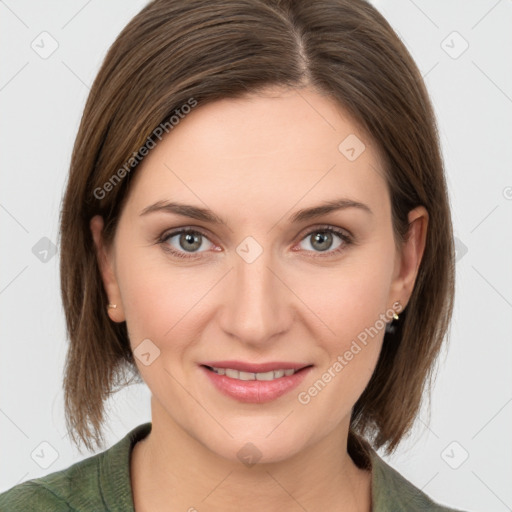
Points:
(259, 445)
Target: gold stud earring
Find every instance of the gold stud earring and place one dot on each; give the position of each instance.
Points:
(114, 306)
(390, 328)
(395, 314)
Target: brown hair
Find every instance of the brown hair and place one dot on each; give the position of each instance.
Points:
(176, 52)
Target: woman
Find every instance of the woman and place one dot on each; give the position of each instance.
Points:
(256, 224)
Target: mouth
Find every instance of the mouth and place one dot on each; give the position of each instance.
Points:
(255, 383)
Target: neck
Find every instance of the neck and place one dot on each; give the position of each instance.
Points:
(171, 470)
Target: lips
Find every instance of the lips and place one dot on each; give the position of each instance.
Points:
(254, 383)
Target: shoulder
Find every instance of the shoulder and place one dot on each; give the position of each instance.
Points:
(32, 495)
(63, 490)
(91, 484)
(391, 491)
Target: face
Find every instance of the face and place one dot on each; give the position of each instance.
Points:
(266, 288)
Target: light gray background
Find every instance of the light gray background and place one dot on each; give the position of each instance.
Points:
(41, 101)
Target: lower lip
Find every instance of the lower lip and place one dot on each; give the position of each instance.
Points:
(256, 391)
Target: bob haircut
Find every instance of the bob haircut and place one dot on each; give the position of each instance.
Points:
(193, 52)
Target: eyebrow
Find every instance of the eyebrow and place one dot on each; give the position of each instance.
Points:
(207, 215)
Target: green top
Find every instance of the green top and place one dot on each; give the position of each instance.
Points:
(102, 483)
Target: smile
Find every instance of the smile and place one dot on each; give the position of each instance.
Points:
(265, 383)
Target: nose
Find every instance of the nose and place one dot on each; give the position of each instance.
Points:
(257, 307)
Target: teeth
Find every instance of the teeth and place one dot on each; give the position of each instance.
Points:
(235, 374)
(269, 375)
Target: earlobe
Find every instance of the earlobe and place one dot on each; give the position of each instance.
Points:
(411, 254)
(105, 265)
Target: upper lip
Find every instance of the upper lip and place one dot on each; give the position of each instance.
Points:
(256, 367)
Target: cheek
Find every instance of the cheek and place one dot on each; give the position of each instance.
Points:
(351, 304)
(351, 298)
(149, 300)
(162, 302)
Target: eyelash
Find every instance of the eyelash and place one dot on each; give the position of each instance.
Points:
(346, 239)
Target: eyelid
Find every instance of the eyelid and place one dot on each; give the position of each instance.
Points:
(326, 227)
(306, 231)
(178, 230)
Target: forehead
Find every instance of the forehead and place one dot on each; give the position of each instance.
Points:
(272, 149)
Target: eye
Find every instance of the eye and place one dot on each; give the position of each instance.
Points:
(185, 242)
(321, 241)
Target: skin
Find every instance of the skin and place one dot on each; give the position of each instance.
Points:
(255, 161)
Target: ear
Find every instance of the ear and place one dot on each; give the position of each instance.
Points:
(409, 257)
(106, 266)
